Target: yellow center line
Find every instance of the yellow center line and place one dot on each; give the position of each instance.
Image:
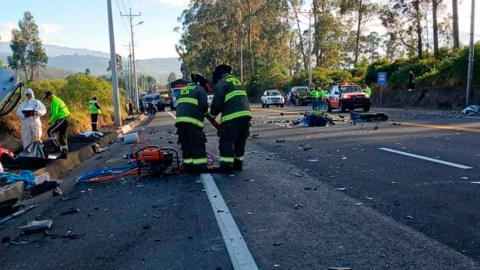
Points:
(444, 127)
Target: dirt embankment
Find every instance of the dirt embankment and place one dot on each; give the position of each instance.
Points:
(447, 98)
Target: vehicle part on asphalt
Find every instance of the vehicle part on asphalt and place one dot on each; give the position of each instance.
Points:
(44, 187)
(471, 110)
(17, 214)
(131, 138)
(36, 226)
(367, 117)
(69, 212)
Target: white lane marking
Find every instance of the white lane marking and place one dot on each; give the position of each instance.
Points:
(474, 182)
(174, 117)
(427, 158)
(237, 248)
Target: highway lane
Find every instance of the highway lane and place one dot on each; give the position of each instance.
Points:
(342, 203)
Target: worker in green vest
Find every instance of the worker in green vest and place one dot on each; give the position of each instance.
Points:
(320, 99)
(367, 90)
(59, 121)
(94, 110)
(314, 96)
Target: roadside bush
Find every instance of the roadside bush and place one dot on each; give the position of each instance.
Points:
(75, 91)
(399, 79)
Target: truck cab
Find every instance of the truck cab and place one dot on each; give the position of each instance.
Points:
(347, 97)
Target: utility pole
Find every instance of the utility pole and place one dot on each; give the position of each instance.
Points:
(113, 59)
(471, 54)
(135, 87)
(310, 50)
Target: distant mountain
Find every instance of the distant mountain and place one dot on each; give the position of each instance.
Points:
(54, 51)
(77, 60)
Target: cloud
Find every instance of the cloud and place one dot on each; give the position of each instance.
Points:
(175, 3)
(49, 28)
(6, 30)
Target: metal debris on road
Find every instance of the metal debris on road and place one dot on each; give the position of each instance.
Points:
(340, 189)
(298, 175)
(69, 212)
(255, 136)
(298, 206)
(69, 198)
(358, 204)
(17, 214)
(57, 192)
(278, 243)
(465, 178)
(313, 160)
(474, 182)
(249, 213)
(280, 141)
(409, 217)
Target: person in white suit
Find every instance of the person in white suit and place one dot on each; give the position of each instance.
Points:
(30, 112)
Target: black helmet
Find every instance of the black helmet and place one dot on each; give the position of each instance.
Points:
(219, 71)
(199, 78)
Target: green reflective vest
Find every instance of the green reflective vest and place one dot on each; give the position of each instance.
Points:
(313, 93)
(368, 91)
(59, 110)
(92, 108)
(191, 105)
(230, 99)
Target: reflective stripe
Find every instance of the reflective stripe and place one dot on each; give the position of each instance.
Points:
(199, 161)
(242, 158)
(234, 94)
(187, 100)
(226, 159)
(188, 161)
(209, 115)
(232, 116)
(190, 120)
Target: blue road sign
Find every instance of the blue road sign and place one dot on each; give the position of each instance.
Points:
(381, 78)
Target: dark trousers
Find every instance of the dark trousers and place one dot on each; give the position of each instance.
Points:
(233, 137)
(60, 126)
(94, 118)
(192, 140)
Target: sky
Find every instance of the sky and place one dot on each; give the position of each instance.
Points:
(84, 23)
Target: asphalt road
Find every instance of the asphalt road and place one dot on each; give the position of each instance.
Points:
(308, 198)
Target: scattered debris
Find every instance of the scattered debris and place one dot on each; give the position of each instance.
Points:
(57, 192)
(340, 189)
(396, 203)
(146, 227)
(69, 212)
(465, 178)
(358, 204)
(473, 110)
(69, 198)
(249, 213)
(278, 243)
(474, 182)
(255, 136)
(298, 175)
(17, 214)
(409, 217)
(396, 123)
(298, 206)
(280, 141)
(367, 117)
(313, 160)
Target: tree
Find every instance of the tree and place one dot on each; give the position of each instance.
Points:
(403, 21)
(172, 77)
(364, 12)
(435, 5)
(372, 44)
(27, 52)
(119, 63)
(87, 71)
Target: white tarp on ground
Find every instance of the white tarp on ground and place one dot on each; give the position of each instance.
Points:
(471, 110)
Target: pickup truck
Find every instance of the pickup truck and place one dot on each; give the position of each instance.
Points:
(347, 97)
(304, 94)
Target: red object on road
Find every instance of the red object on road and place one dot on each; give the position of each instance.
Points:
(6, 152)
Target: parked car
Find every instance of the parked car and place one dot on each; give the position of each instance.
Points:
(209, 100)
(272, 97)
(347, 97)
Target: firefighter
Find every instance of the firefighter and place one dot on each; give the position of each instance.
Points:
(94, 110)
(191, 109)
(230, 99)
(59, 121)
